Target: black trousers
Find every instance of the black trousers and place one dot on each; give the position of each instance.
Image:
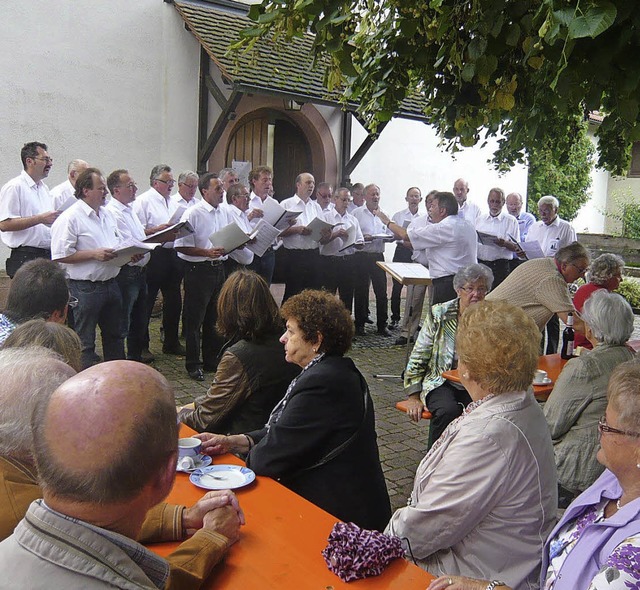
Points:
(367, 270)
(264, 265)
(445, 403)
(164, 273)
(401, 254)
(23, 254)
(202, 284)
(553, 335)
(337, 274)
(301, 271)
(442, 289)
(500, 268)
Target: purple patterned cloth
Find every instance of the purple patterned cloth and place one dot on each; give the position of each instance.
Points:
(354, 553)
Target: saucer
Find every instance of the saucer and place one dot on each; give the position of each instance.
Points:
(222, 477)
(545, 381)
(199, 461)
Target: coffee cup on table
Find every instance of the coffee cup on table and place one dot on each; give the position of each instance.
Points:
(189, 447)
(539, 377)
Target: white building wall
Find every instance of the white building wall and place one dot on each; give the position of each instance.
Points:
(114, 83)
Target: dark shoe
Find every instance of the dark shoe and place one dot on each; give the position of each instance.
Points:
(360, 331)
(393, 324)
(401, 341)
(197, 375)
(383, 332)
(176, 349)
(147, 357)
(368, 321)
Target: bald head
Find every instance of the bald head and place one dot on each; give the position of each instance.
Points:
(460, 190)
(105, 433)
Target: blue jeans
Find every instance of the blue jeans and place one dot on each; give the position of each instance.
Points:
(132, 281)
(99, 304)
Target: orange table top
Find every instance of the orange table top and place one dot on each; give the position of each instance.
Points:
(551, 363)
(280, 546)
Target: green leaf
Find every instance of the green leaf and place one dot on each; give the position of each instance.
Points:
(513, 35)
(468, 72)
(595, 21)
(477, 46)
(628, 110)
(268, 17)
(251, 32)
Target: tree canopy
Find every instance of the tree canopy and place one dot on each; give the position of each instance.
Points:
(527, 71)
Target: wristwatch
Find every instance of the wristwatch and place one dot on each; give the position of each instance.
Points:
(494, 583)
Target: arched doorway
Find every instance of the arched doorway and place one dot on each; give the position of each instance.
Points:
(269, 136)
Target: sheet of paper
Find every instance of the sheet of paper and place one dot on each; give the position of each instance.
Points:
(183, 228)
(264, 234)
(317, 226)
(230, 237)
(128, 248)
(70, 201)
(486, 239)
(350, 240)
(532, 249)
(177, 215)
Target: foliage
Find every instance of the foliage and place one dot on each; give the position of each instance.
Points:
(568, 180)
(520, 70)
(626, 211)
(630, 290)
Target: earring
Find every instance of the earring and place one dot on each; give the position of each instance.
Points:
(465, 375)
(315, 350)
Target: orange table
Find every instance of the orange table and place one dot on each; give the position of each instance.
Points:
(551, 363)
(281, 543)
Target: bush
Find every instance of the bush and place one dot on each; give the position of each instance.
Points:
(630, 290)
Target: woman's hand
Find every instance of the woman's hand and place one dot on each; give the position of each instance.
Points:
(414, 408)
(459, 583)
(214, 444)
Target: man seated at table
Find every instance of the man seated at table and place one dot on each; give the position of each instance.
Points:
(105, 447)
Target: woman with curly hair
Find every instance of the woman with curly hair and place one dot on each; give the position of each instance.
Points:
(320, 440)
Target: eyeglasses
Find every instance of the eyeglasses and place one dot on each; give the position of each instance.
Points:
(47, 160)
(580, 269)
(73, 301)
(167, 182)
(604, 427)
(131, 185)
(190, 186)
(477, 290)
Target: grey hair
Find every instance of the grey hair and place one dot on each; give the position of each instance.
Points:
(157, 171)
(471, 274)
(623, 393)
(549, 200)
(225, 172)
(604, 267)
(571, 253)
(28, 374)
(609, 316)
(75, 165)
(187, 174)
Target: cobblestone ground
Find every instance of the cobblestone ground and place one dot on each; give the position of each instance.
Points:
(402, 443)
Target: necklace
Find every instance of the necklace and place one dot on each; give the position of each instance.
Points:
(618, 503)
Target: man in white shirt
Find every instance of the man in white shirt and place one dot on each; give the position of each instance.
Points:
(84, 238)
(261, 181)
(324, 195)
(204, 276)
(132, 278)
(337, 265)
(498, 255)
(26, 209)
(66, 190)
(402, 253)
(450, 243)
(466, 209)
(154, 209)
(187, 187)
(228, 177)
(524, 218)
(357, 196)
(552, 233)
(366, 267)
(302, 256)
(238, 197)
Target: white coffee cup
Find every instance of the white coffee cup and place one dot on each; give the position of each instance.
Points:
(539, 377)
(189, 447)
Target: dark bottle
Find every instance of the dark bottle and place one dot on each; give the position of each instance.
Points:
(568, 339)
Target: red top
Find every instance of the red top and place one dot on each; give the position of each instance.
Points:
(582, 294)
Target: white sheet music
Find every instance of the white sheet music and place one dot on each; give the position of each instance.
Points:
(264, 233)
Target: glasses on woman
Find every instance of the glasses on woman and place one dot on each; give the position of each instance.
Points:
(604, 427)
(476, 290)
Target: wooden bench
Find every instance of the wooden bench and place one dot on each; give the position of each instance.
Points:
(402, 406)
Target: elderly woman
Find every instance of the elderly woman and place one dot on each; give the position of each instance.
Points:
(578, 398)
(252, 375)
(434, 352)
(596, 544)
(320, 440)
(484, 497)
(605, 272)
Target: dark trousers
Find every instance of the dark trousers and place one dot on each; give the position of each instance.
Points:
(301, 272)
(202, 284)
(164, 273)
(553, 335)
(337, 274)
(23, 254)
(445, 403)
(500, 268)
(264, 265)
(99, 304)
(367, 269)
(442, 290)
(401, 254)
(132, 281)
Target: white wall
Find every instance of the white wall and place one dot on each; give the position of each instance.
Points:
(114, 83)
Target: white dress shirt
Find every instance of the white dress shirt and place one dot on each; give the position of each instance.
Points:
(153, 210)
(22, 197)
(310, 210)
(469, 211)
(552, 237)
(61, 193)
(449, 245)
(420, 256)
(180, 202)
(242, 220)
(405, 217)
(500, 225)
(347, 220)
(81, 228)
(129, 225)
(371, 226)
